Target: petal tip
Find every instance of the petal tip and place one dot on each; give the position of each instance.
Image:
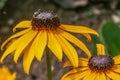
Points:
(2, 47)
(15, 61)
(97, 34)
(14, 29)
(64, 66)
(39, 59)
(60, 60)
(26, 71)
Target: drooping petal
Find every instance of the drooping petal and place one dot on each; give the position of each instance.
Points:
(87, 36)
(90, 75)
(113, 75)
(80, 63)
(74, 40)
(27, 59)
(116, 59)
(10, 49)
(78, 29)
(75, 73)
(23, 24)
(69, 50)
(23, 42)
(100, 49)
(39, 44)
(14, 36)
(54, 46)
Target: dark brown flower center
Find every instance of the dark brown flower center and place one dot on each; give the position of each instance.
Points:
(101, 62)
(45, 20)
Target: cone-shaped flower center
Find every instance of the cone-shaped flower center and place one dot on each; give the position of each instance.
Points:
(101, 62)
(45, 20)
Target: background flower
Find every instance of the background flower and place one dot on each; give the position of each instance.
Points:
(100, 67)
(5, 74)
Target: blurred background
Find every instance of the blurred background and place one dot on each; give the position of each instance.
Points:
(90, 13)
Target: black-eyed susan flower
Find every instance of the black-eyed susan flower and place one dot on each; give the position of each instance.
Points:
(5, 74)
(45, 30)
(100, 67)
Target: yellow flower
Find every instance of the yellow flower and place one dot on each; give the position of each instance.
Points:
(45, 30)
(6, 75)
(100, 67)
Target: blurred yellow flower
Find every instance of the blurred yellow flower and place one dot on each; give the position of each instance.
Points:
(6, 75)
(100, 67)
(44, 30)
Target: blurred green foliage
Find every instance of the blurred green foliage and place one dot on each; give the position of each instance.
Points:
(2, 3)
(111, 35)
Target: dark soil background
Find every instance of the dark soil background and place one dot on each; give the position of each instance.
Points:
(91, 13)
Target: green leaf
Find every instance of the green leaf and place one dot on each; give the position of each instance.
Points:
(2, 3)
(111, 35)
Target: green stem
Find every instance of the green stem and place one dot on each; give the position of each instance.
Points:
(48, 61)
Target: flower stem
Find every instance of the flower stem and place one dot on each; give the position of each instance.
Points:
(48, 61)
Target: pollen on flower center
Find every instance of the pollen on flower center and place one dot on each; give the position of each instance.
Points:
(45, 20)
(101, 62)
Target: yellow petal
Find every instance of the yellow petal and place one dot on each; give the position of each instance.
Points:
(116, 59)
(66, 76)
(107, 78)
(54, 46)
(113, 75)
(27, 59)
(80, 63)
(78, 29)
(14, 76)
(100, 49)
(90, 76)
(67, 64)
(69, 50)
(14, 36)
(116, 68)
(23, 42)
(84, 59)
(39, 44)
(87, 36)
(23, 24)
(79, 69)
(102, 76)
(81, 75)
(76, 41)
(75, 74)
